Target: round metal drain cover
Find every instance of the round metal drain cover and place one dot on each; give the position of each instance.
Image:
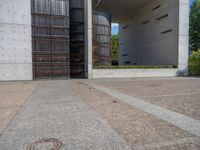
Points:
(46, 144)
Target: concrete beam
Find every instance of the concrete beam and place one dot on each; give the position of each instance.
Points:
(119, 9)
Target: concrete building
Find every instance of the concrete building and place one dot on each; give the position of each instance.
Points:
(152, 32)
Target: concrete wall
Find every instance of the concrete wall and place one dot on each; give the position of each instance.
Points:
(127, 42)
(15, 40)
(141, 35)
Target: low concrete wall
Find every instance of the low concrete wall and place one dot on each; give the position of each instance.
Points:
(131, 73)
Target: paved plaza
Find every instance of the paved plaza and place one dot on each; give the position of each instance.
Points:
(102, 114)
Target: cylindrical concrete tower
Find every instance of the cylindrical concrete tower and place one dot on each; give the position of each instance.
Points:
(101, 38)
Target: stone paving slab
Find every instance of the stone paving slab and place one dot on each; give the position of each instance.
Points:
(188, 105)
(140, 129)
(12, 96)
(184, 122)
(6, 115)
(15, 93)
(55, 111)
(13, 99)
(153, 86)
(181, 95)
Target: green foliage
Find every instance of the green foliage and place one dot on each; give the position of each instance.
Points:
(115, 49)
(195, 57)
(195, 26)
(194, 63)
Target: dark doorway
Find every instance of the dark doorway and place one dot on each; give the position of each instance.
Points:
(77, 65)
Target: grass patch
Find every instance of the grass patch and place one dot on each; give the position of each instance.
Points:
(133, 67)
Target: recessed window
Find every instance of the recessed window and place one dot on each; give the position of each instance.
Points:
(125, 55)
(162, 17)
(125, 27)
(127, 62)
(145, 22)
(156, 7)
(166, 31)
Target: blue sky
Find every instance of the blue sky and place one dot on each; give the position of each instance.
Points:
(115, 27)
(191, 1)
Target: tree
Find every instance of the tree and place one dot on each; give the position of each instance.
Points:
(195, 26)
(115, 49)
(194, 63)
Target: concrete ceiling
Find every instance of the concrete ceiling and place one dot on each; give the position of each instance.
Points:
(119, 9)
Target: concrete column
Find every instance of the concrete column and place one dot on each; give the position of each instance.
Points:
(15, 40)
(88, 38)
(183, 38)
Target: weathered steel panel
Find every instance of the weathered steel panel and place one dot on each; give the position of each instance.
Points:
(50, 34)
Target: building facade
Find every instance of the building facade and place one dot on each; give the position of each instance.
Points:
(68, 38)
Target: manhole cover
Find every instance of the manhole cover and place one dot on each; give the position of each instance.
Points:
(46, 144)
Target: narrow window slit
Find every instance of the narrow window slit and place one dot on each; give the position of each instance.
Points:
(156, 7)
(166, 31)
(145, 22)
(125, 27)
(162, 17)
(127, 62)
(125, 55)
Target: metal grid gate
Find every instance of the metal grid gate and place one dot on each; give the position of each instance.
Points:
(50, 37)
(77, 66)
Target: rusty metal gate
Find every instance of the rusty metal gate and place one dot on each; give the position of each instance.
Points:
(50, 37)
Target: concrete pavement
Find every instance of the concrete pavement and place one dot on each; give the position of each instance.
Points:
(55, 111)
(78, 114)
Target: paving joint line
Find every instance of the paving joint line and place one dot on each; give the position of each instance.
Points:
(10, 107)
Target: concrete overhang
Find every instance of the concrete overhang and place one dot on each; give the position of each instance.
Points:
(119, 9)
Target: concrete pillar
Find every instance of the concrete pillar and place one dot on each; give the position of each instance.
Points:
(15, 40)
(183, 38)
(88, 38)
